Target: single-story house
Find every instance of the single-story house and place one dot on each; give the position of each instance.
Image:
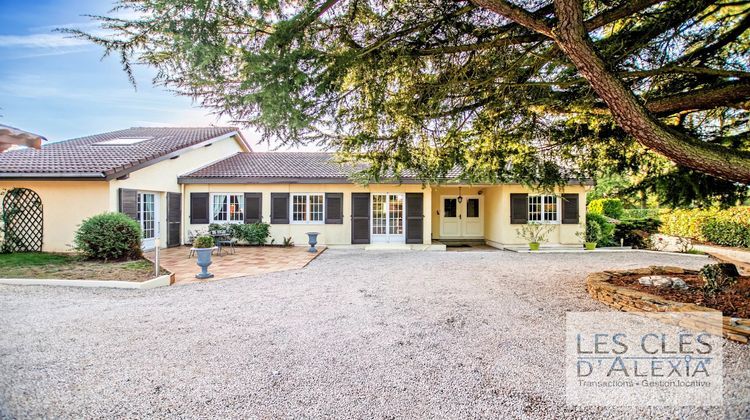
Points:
(175, 181)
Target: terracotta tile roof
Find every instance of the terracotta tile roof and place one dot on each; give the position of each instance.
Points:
(82, 157)
(275, 165)
(290, 167)
(279, 167)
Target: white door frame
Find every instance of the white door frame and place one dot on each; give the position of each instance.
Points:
(466, 221)
(453, 220)
(388, 238)
(461, 220)
(148, 242)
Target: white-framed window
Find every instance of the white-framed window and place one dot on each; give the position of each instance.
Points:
(543, 209)
(227, 208)
(307, 208)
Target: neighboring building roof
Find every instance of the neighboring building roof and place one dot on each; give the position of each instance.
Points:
(99, 157)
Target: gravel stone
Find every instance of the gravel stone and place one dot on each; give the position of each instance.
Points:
(354, 334)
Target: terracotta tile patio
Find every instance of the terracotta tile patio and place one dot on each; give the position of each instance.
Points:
(246, 261)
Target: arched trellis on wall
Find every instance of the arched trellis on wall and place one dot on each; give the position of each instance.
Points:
(22, 221)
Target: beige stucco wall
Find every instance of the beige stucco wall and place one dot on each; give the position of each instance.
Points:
(465, 190)
(500, 231)
(162, 177)
(496, 201)
(64, 205)
(330, 234)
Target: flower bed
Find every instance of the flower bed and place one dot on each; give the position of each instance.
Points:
(615, 289)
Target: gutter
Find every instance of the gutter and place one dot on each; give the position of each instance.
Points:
(92, 176)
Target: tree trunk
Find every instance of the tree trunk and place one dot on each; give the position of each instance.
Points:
(630, 114)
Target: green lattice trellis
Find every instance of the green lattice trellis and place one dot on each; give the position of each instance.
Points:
(22, 221)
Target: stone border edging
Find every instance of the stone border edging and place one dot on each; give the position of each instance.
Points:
(599, 286)
(161, 281)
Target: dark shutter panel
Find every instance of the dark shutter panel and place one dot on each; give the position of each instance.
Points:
(199, 208)
(174, 218)
(570, 209)
(253, 207)
(279, 208)
(414, 218)
(360, 218)
(334, 208)
(128, 202)
(519, 209)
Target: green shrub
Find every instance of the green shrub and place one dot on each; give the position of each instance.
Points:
(640, 213)
(726, 232)
(685, 223)
(109, 236)
(610, 207)
(606, 229)
(593, 232)
(730, 227)
(717, 277)
(636, 232)
(253, 234)
(203, 241)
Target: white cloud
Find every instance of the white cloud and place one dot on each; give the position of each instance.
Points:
(41, 41)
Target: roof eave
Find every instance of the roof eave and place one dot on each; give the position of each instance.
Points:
(52, 176)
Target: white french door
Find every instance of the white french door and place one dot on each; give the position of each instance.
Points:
(148, 217)
(387, 216)
(461, 219)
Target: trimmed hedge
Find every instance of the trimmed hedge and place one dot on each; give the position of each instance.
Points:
(610, 207)
(729, 227)
(109, 236)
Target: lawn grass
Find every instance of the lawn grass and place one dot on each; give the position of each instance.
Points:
(44, 265)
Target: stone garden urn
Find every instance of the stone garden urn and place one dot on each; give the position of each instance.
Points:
(312, 239)
(204, 260)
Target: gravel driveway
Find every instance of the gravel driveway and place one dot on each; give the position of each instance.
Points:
(355, 334)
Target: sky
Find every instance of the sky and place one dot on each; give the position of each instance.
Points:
(61, 88)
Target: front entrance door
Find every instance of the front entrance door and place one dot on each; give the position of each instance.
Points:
(387, 219)
(148, 217)
(461, 220)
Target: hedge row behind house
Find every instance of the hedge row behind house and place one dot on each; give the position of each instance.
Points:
(730, 227)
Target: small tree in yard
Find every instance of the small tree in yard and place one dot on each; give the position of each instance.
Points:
(109, 236)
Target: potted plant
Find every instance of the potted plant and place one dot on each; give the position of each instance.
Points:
(204, 246)
(534, 233)
(590, 236)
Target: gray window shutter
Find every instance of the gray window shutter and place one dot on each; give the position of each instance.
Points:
(253, 207)
(279, 208)
(334, 208)
(199, 208)
(414, 218)
(128, 202)
(519, 209)
(360, 218)
(174, 218)
(570, 209)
